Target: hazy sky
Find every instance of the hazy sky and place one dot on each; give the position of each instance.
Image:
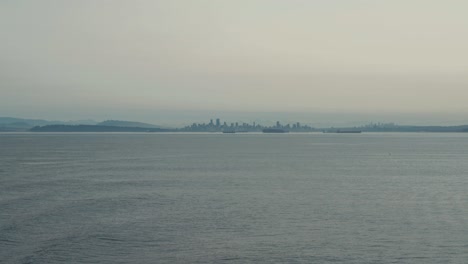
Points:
(154, 60)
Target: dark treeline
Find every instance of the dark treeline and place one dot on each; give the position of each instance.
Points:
(420, 129)
(391, 127)
(93, 128)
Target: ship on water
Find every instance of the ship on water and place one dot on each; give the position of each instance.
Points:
(274, 130)
(349, 131)
(346, 131)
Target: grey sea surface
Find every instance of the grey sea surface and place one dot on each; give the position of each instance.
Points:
(233, 198)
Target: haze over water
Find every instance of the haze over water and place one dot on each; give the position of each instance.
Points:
(219, 198)
(243, 197)
(170, 62)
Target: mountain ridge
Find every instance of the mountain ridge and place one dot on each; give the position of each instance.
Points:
(122, 123)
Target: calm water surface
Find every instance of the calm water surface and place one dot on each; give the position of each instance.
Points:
(233, 198)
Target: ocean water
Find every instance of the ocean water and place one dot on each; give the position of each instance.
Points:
(233, 198)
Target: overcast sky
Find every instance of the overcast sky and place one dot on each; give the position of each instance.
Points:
(159, 60)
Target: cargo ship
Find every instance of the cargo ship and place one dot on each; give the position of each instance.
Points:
(274, 130)
(349, 131)
(343, 131)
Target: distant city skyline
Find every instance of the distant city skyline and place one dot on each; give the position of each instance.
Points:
(319, 119)
(8, 124)
(218, 126)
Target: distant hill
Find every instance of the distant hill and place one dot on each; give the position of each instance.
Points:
(23, 124)
(19, 124)
(42, 122)
(93, 128)
(30, 122)
(119, 123)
